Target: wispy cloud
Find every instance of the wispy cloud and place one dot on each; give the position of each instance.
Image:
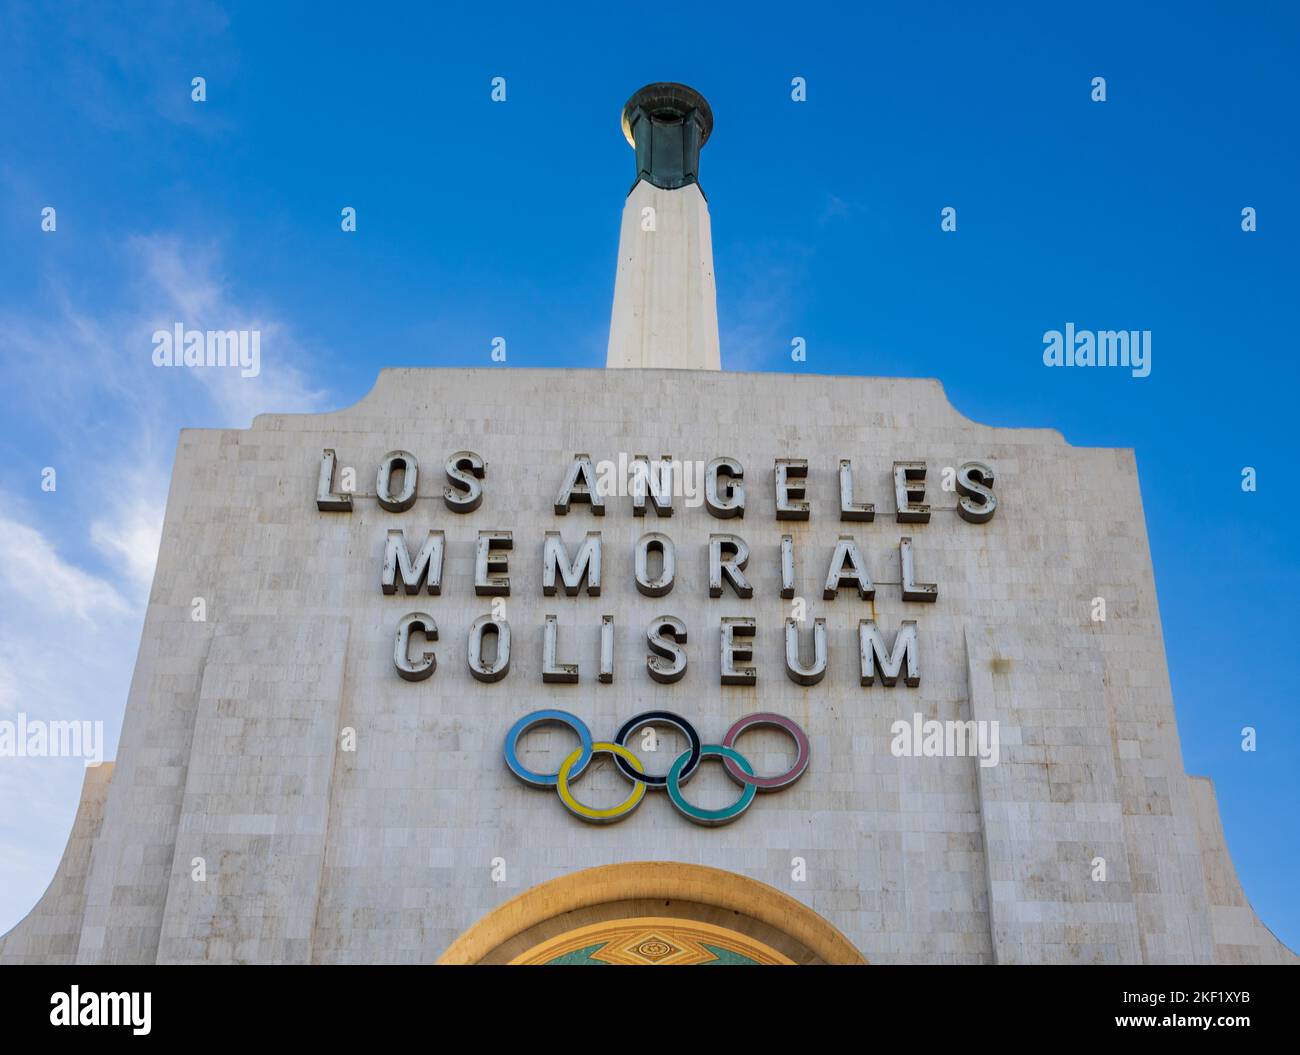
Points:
(38, 579)
(837, 208)
(759, 307)
(187, 287)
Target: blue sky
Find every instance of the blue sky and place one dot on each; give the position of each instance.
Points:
(479, 219)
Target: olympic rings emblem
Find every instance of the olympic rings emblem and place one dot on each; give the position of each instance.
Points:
(686, 764)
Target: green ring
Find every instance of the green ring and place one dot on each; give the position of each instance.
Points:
(710, 818)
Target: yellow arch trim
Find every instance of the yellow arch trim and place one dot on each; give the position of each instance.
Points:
(672, 880)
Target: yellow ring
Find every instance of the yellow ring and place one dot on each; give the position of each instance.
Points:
(610, 813)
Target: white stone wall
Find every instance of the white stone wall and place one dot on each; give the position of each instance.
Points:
(229, 750)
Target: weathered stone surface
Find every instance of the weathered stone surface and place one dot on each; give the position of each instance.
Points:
(230, 749)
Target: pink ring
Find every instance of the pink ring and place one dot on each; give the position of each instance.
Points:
(776, 721)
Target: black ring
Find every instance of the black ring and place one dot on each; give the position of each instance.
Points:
(658, 718)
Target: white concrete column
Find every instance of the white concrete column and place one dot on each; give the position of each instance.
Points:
(665, 301)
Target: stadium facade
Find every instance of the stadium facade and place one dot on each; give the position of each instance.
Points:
(652, 664)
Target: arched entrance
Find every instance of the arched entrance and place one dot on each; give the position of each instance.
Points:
(652, 912)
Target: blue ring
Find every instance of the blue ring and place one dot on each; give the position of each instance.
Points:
(529, 721)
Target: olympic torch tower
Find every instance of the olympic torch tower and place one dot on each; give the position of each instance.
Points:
(665, 301)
